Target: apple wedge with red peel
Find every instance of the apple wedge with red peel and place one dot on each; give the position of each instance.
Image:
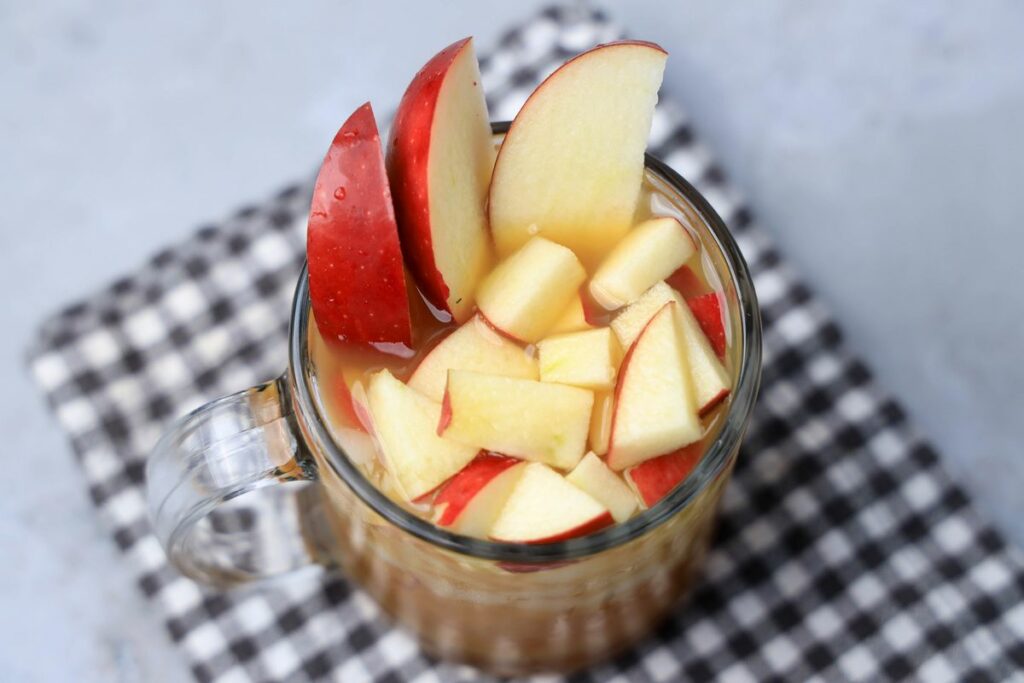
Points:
(471, 500)
(648, 254)
(686, 282)
(405, 425)
(655, 478)
(526, 293)
(601, 422)
(594, 478)
(473, 346)
(356, 278)
(544, 508)
(587, 359)
(655, 411)
(711, 382)
(571, 165)
(519, 417)
(439, 160)
(707, 309)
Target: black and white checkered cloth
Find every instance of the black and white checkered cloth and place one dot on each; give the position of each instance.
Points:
(845, 551)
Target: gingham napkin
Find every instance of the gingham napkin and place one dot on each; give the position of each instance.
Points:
(845, 551)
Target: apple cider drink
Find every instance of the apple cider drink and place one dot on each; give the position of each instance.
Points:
(524, 348)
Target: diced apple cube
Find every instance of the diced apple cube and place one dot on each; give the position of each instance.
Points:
(648, 254)
(573, 319)
(584, 359)
(405, 424)
(628, 324)
(655, 410)
(594, 478)
(526, 294)
(473, 346)
(601, 422)
(544, 508)
(536, 421)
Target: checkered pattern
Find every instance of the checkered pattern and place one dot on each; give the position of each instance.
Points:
(845, 551)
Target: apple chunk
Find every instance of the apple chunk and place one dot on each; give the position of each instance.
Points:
(711, 381)
(655, 411)
(594, 478)
(473, 346)
(571, 165)
(525, 295)
(707, 309)
(544, 508)
(471, 500)
(648, 253)
(601, 422)
(356, 279)
(584, 359)
(655, 478)
(405, 424)
(528, 419)
(573, 319)
(440, 155)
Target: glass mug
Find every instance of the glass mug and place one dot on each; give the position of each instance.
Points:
(253, 485)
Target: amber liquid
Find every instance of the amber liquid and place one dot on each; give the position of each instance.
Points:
(553, 618)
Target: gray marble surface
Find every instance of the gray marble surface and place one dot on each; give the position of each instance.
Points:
(883, 144)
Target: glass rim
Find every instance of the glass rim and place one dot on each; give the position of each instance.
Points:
(711, 465)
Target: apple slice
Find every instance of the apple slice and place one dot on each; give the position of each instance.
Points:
(594, 478)
(601, 422)
(655, 478)
(711, 381)
(440, 155)
(686, 282)
(356, 279)
(707, 309)
(405, 424)
(544, 508)
(520, 417)
(471, 500)
(571, 165)
(473, 346)
(526, 293)
(655, 411)
(573, 318)
(648, 253)
(584, 359)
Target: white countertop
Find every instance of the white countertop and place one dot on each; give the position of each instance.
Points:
(882, 144)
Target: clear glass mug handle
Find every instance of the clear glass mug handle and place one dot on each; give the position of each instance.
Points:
(229, 489)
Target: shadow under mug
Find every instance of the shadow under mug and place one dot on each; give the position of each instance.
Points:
(253, 485)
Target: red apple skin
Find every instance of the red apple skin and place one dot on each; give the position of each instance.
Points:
(655, 478)
(460, 489)
(686, 282)
(707, 309)
(603, 520)
(356, 278)
(408, 167)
